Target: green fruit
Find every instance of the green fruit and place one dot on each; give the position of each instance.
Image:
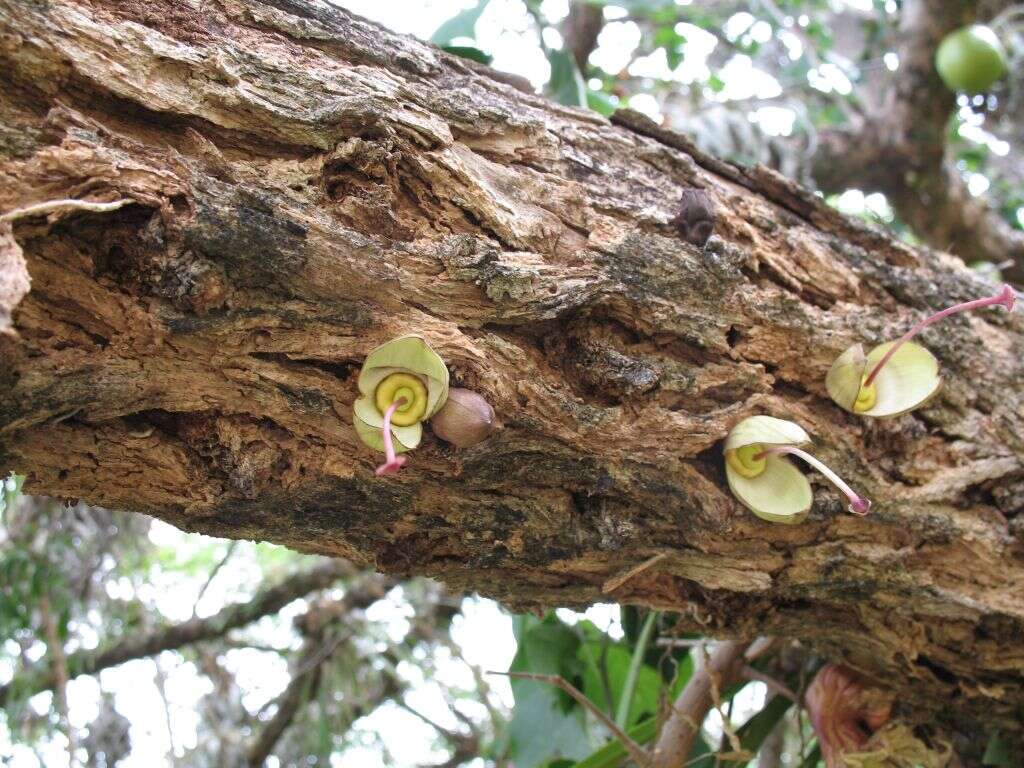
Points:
(970, 59)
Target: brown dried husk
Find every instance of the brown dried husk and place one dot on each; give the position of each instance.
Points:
(896, 746)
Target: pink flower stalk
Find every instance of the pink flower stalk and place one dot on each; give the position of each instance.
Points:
(394, 461)
(1006, 297)
(858, 504)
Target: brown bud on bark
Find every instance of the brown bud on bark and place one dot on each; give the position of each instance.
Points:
(696, 218)
(844, 711)
(465, 419)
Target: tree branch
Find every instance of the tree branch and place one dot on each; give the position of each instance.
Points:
(196, 355)
(322, 625)
(58, 667)
(696, 700)
(301, 688)
(770, 754)
(581, 29)
(195, 630)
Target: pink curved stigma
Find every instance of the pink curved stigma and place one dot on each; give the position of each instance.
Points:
(394, 462)
(858, 504)
(1006, 297)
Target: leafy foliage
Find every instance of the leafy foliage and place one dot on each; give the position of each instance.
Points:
(462, 24)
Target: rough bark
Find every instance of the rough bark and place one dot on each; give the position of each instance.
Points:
(306, 185)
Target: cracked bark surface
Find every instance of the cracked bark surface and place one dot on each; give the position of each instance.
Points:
(306, 186)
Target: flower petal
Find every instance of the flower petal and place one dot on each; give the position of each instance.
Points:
(368, 422)
(407, 353)
(908, 380)
(780, 494)
(845, 376)
(766, 429)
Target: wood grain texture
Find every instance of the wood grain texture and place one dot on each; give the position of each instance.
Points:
(307, 186)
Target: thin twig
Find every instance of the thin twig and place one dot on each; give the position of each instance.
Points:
(631, 573)
(780, 688)
(759, 648)
(37, 209)
(636, 752)
(678, 642)
(58, 663)
(483, 690)
(213, 573)
(448, 733)
(161, 687)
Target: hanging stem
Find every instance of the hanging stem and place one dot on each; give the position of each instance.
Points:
(1005, 297)
(858, 504)
(633, 674)
(394, 462)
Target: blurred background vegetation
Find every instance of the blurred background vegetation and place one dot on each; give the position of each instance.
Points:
(124, 642)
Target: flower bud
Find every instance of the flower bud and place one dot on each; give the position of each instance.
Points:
(466, 419)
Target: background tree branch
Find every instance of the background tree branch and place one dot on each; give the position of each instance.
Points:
(196, 630)
(678, 734)
(899, 146)
(581, 29)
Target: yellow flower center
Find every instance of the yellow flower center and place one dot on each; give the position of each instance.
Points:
(743, 461)
(402, 385)
(866, 397)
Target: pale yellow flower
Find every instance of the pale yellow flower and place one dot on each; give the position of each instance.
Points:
(897, 376)
(767, 482)
(402, 383)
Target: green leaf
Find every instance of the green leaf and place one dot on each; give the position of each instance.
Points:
(468, 52)
(10, 489)
(999, 753)
(604, 103)
(549, 647)
(622, 711)
(813, 757)
(753, 732)
(462, 24)
(613, 753)
(566, 85)
(614, 661)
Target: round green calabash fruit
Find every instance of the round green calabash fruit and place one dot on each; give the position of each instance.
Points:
(971, 59)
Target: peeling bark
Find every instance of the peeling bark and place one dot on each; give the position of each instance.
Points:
(306, 186)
